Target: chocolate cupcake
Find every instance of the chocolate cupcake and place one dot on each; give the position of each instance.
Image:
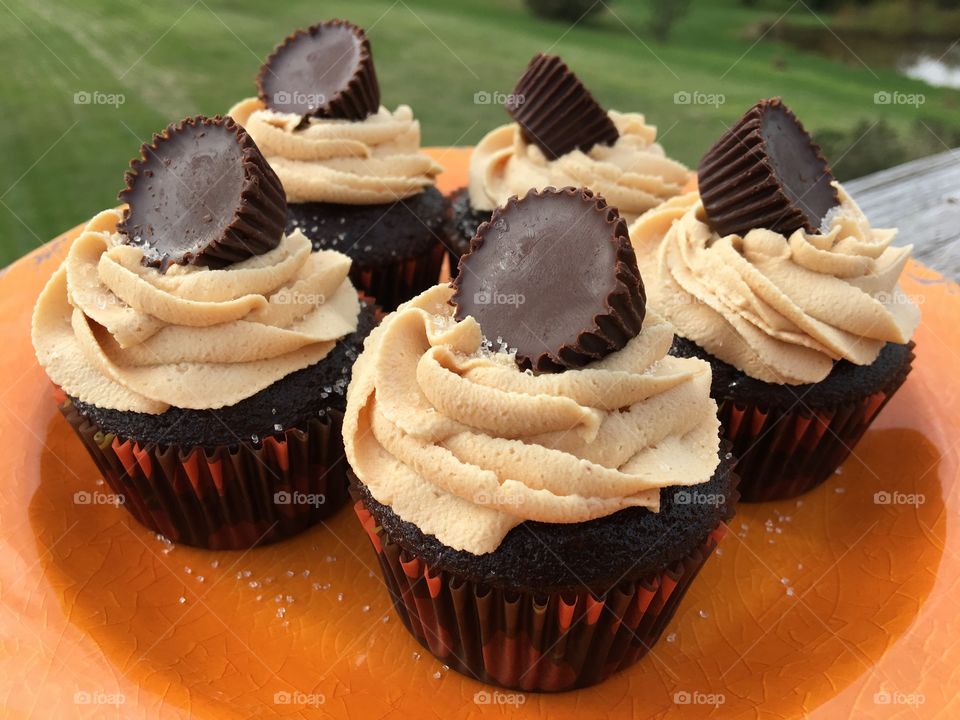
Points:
(773, 275)
(539, 479)
(562, 136)
(355, 178)
(201, 355)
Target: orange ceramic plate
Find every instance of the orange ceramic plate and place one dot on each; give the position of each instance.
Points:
(846, 601)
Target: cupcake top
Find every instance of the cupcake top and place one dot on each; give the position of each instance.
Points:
(444, 424)
(774, 270)
(563, 137)
(140, 323)
(319, 122)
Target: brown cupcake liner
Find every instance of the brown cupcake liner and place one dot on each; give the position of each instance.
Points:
(390, 285)
(783, 453)
(739, 186)
(225, 497)
(555, 110)
(531, 641)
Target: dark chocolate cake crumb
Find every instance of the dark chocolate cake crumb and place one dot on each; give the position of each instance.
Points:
(373, 235)
(846, 382)
(549, 557)
(289, 402)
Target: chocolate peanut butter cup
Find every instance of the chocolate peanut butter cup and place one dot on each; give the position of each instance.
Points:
(202, 194)
(556, 112)
(766, 172)
(323, 71)
(554, 276)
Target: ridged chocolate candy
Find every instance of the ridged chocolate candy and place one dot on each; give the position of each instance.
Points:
(553, 275)
(766, 172)
(556, 112)
(323, 71)
(202, 194)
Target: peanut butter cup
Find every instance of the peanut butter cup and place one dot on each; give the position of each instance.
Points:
(553, 275)
(202, 194)
(325, 71)
(555, 110)
(766, 172)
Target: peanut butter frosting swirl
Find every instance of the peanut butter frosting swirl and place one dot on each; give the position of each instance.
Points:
(461, 442)
(634, 174)
(781, 309)
(363, 162)
(120, 335)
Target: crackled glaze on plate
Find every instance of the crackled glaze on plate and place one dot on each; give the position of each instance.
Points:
(830, 605)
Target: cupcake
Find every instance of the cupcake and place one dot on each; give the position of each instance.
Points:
(773, 275)
(355, 178)
(561, 136)
(540, 480)
(201, 355)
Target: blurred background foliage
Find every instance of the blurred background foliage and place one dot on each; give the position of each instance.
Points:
(875, 81)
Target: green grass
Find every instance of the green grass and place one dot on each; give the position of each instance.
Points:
(62, 161)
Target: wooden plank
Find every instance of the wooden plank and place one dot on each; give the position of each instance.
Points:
(922, 199)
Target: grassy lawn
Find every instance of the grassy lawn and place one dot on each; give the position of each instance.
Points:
(64, 161)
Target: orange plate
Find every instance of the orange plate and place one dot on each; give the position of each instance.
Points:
(833, 604)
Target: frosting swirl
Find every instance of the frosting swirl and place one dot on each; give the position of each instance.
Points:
(464, 444)
(115, 333)
(634, 174)
(781, 309)
(365, 162)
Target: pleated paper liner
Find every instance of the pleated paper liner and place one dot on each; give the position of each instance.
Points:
(783, 453)
(224, 498)
(402, 280)
(528, 641)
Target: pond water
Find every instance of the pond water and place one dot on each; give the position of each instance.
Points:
(932, 70)
(935, 62)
